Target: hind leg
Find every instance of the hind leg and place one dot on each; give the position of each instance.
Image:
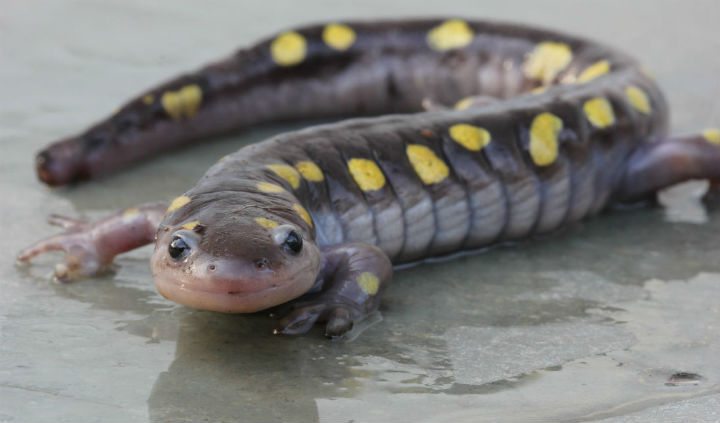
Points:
(676, 159)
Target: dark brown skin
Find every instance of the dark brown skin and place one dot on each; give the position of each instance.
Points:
(319, 216)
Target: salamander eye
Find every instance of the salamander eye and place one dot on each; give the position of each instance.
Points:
(293, 243)
(178, 248)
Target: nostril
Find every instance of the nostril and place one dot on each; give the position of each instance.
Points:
(261, 264)
(211, 267)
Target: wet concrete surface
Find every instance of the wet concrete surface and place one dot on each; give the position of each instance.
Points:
(615, 319)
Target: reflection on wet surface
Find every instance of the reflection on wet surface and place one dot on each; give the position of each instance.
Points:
(614, 320)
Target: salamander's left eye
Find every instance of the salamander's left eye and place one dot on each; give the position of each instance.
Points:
(293, 243)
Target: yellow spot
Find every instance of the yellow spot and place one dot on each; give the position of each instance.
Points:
(190, 225)
(286, 172)
(538, 90)
(184, 102)
(599, 112)
(367, 174)
(368, 283)
(223, 158)
(543, 138)
(148, 99)
(266, 223)
(309, 171)
(464, 103)
(177, 203)
(288, 49)
(450, 35)
(638, 99)
(712, 135)
(427, 165)
(338, 36)
(268, 187)
(593, 71)
(471, 137)
(547, 60)
(303, 213)
(129, 214)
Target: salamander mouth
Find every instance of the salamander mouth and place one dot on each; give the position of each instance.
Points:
(233, 301)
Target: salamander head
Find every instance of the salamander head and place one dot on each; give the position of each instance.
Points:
(234, 263)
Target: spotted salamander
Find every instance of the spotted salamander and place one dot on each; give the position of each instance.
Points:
(523, 131)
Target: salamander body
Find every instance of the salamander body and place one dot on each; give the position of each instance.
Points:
(525, 131)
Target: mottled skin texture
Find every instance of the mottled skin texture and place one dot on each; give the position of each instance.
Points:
(366, 193)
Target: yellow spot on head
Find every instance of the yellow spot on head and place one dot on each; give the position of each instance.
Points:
(599, 112)
(303, 213)
(366, 174)
(547, 60)
(177, 203)
(464, 103)
(286, 172)
(309, 171)
(288, 49)
(223, 158)
(471, 137)
(449, 35)
(712, 135)
(268, 187)
(593, 71)
(338, 36)
(429, 167)
(190, 225)
(544, 132)
(148, 99)
(368, 283)
(130, 214)
(266, 223)
(638, 99)
(184, 102)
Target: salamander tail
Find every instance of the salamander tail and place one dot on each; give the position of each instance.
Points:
(673, 160)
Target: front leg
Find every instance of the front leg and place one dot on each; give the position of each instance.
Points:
(91, 246)
(349, 287)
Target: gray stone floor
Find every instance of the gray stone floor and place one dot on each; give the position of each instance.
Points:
(587, 325)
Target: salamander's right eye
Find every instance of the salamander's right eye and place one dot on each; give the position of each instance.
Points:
(293, 243)
(178, 248)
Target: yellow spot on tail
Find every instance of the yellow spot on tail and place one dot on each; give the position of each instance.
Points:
(266, 223)
(638, 99)
(148, 99)
(286, 172)
(338, 36)
(538, 90)
(712, 135)
(303, 213)
(471, 137)
(309, 171)
(130, 214)
(593, 71)
(544, 132)
(190, 225)
(268, 187)
(184, 102)
(177, 203)
(429, 167)
(599, 112)
(288, 49)
(464, 103)
(547, 60)
(367, 174)
(449, 35)
(368, 283)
